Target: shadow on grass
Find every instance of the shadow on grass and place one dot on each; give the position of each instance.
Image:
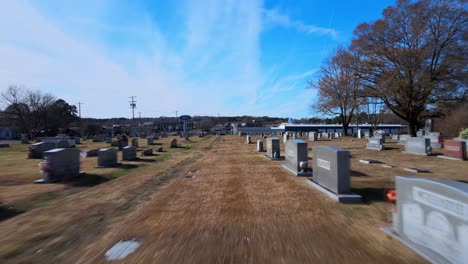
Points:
(390, 148)
(9, 212)
(371, 195)
(354, 173)
(87, 180)
(145, 160)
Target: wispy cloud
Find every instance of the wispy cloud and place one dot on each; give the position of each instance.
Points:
(275, 16)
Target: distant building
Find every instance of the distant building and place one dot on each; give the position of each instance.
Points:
(9, 133)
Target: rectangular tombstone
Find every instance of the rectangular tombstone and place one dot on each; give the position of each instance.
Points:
(380, 135)
(337, 134)
(331, 168)
(248, 139)
(71, 142)
(36, 150)
(99, 138)
(434, 139)
(135, 142)
(325, 135)
(404, 138)
(359, 133)
(62, 143)
(129, 153)
(395, 137)
(272, 147)
(375, 143)
(432, 217)
(455, 149)
(312, 136)
(331, 173)
(92, 153)
(59, 163)
(150, 140)
(285, 137)
(109, 140)
(296, 152)
(417, 145)
(259, 146)
(107, 158)
(366, 134)
(420, 133)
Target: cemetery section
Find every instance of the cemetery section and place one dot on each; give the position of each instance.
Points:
(221, 201)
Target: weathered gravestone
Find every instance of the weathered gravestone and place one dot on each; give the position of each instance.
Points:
(122, 143)
(331, 173)
(285, 137)
(455, 149)
(396, 137)
(108, 140)
(36, 150)
(367, 134)
(147, 152)
(325, 135)
(312, 136)
(150, 141)
(432, 218)
(129, 153)
(259, 146)
(107, 158)
(273, 148)
(417, 145)
(403, 139)
(435, 139)
(92, 153)
(248, 139)
(381, 136)
(99, 138)
(359, 133)
(60, 163)
(375, 143)
(420, 133)
(135, 142)
(77, 140)
(173, 143)
(62, 143)
(296, 160)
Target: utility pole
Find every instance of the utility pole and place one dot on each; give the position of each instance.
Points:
(79, 108)
(176, 113)
(133, 106)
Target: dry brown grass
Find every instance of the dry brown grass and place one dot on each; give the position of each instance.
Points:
(239, 208)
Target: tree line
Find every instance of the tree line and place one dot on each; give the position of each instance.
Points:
(411, 62)
(36, 113)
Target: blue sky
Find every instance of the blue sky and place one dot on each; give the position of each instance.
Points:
(227, 57)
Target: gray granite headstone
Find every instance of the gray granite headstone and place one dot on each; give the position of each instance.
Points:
(331, 173)
(435, 138)
(135, 142)
(420, 133)
(147, 152)
(296, 152)
(272, 147)
(417, 145)
(248, 139)
(432, 217)
(380, 135)
(404, 138)
(150, 140)
(59, 163)
(92, 153)
(173, 143)
(259, 145)
(36, 150)
(107, 158)
(129, 153)
(375, 143)
(312, 136)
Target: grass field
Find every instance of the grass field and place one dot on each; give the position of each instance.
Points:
(216, 201)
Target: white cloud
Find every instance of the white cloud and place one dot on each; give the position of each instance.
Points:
(276, 17)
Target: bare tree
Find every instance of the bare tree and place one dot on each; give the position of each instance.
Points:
(415, 56)
(338, 88)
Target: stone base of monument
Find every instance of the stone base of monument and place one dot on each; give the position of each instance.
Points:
(341, 198)
(113, 166)
(419, 250)
(297, 173)
(280, 158)
(449, 158)
(47, 180)
(422, 154)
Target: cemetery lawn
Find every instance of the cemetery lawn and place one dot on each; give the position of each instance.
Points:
(216, 201)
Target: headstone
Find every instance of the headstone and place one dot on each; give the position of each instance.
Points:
(429, 125)
(435, 139)
(396, 137)
(331, 173)
(296, 152)
(36, 150)
(375, 143)
(420, 133)
(455, 149)
(62, 144)
(129, 153)
(285, 137)
(4, 145)
(312, 136)
(432, 218)
(77, 140)
(150, 140)
(60, 163)
(135, 142)
(337, 135)
(359, 133)
(173, 143)
(404, 138)
(99, 138)
(259, 146)
(272, 147)
(248, 139)
(107, 158)
(122, 144)
(325, 135)
(92, 153)
(367, 134)
(417, 145)
(24, 140)
(71, 142)
(147, 152)
(109, 140)
(380, 135)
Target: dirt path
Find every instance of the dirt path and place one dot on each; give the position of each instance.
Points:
(242, 208)
(51, 234)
